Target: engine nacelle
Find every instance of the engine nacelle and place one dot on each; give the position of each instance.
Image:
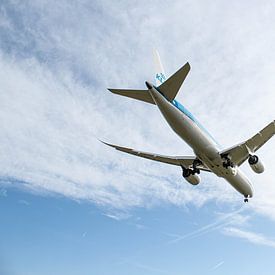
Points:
(192, 178)
(255, 164)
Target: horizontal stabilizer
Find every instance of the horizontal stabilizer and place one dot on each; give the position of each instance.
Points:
(142, 95)
(186, 161)
(172, 85)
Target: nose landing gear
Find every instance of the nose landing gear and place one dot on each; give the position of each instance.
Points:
(245, 199)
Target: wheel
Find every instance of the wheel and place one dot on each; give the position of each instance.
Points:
(196, 171)
(228, 163)
(186, 173)
(245, 200)
(253, 159)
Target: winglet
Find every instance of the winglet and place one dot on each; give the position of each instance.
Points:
(106, 143)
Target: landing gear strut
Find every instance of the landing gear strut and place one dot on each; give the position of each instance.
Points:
(227, 162)
(196, 163)
(186, 172)
(245, 199)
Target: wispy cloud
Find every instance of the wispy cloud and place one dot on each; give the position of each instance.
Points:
(216, 266)
(55, 65)
(219, 223)
(24, 202)
(252, 237)
(118, 216)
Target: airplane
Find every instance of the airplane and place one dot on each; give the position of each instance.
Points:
(207, 154)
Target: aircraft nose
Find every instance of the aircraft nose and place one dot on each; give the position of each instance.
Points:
(148, 85)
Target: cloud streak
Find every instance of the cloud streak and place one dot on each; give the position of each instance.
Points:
(252, 237)
(217, 265)
(224, 220)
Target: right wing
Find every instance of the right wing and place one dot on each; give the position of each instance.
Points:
(187, 161)
(240, 152)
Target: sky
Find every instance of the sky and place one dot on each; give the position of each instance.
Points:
(69, 204)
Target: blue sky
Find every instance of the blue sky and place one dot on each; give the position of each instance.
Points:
(49, 235)
(69, 204)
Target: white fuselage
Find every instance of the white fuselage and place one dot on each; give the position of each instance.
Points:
(204, 147)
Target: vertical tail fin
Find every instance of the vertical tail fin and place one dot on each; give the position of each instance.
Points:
(160, 75)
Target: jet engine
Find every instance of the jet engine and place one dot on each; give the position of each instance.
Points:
(192, 178)
(255, 164)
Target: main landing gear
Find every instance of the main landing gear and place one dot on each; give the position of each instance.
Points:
(186, 172)
(227, 162)
(196, 163)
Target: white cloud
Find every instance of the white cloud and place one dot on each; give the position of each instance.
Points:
(118, 216)
(55, 66)
(50, 144)
(216, 266)
(255, 238)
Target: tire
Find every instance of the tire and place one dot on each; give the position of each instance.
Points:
(253, 159)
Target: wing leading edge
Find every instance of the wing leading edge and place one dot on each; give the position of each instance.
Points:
(186, 161)
(240, 152)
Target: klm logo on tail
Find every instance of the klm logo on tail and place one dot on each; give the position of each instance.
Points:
(160, 77)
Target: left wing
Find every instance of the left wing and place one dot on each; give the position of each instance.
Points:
(186, 161)
(240, 152)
